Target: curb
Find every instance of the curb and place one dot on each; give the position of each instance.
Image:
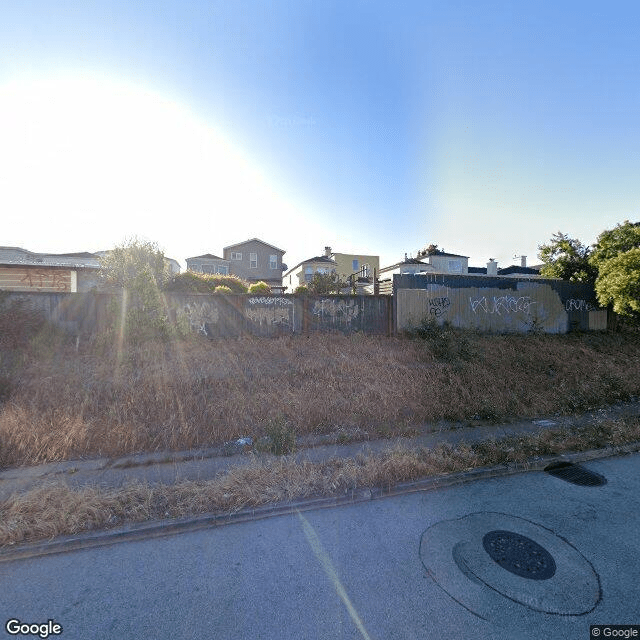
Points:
(161, 528)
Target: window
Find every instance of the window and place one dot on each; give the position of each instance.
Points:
(273, 261)
(236, 256)
(223, 270)
(253, 261)
(208, 268)
(354, 265)
(308, 274)
(365, 270)
(455, 266)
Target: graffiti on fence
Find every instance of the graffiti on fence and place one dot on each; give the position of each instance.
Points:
(198, 315)
(500, 305)
(270, 315)
(578, 305)
(438, 306)
(339, 311)
(270, 310)
(271, 301)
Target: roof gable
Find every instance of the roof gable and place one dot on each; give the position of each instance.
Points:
(241, 244)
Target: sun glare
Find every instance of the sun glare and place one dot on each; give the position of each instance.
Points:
(74, 149)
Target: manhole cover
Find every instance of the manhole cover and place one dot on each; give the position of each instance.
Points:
(519, 554)
(455, 555)
(576, 474)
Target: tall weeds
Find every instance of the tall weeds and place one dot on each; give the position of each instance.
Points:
(61, 401)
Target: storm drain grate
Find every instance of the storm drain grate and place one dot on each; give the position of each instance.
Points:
(519, 554)
(576, 474)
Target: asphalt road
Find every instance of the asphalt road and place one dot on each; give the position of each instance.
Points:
(412, 566)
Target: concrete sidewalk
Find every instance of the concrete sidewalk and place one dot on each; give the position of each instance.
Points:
(204, 464)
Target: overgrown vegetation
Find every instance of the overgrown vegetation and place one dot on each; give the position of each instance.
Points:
(191, 282)
(612, 264)
(110, 398)
(57, 509)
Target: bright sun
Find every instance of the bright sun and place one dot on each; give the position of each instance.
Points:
(79, 149)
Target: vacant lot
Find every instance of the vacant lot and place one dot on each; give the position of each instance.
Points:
(101, 398)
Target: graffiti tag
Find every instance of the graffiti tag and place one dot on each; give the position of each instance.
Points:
(438, 306)
(270, 301)
(341, 311)
(500, 305)
(578, 305)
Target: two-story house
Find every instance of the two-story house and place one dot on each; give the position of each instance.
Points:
(255, 261)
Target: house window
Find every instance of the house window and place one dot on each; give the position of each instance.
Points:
(208, 268)
(308, 274)
(236, 256)
(354, 265)
(455, 266)
(253, 261)
(223, 270)
(365, 270)
(273, 261)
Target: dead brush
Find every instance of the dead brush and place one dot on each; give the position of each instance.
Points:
(56, 509)
(99, 400)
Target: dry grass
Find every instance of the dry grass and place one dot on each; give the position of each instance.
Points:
(60, 403)
(55, 510)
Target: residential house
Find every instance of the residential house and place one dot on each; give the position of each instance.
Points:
(304, 271)
(256, 261)
(348, 264)
(208, 263)
(22, 270)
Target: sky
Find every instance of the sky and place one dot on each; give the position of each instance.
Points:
(368, 126)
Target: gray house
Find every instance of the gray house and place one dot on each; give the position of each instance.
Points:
(208, 263)
(255, 260)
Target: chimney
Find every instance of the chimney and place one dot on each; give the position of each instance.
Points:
(523, 261)
(492, 267)
(327, 252)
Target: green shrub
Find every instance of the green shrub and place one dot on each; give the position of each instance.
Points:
(302, 290)
(280, 438)
(223, 289)
(259, 287)
(191, 282)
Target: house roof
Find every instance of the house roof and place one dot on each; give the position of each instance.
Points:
(405, 261)
(23, 257)
(322, 259)
(444, 254)
(239, 244)
(514, 268)
(208, 256)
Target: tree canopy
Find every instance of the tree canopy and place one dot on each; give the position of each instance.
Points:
(124, 265)
(566, 258)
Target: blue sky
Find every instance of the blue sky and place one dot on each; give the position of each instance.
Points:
(372, 127)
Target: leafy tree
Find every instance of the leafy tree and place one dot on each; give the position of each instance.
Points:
(566, 258)
(140, 270)
(616, 256)
(325, 283)
(123, 265)
(613, 242)
(618, 283)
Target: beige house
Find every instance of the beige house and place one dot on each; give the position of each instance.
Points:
(349, 264)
